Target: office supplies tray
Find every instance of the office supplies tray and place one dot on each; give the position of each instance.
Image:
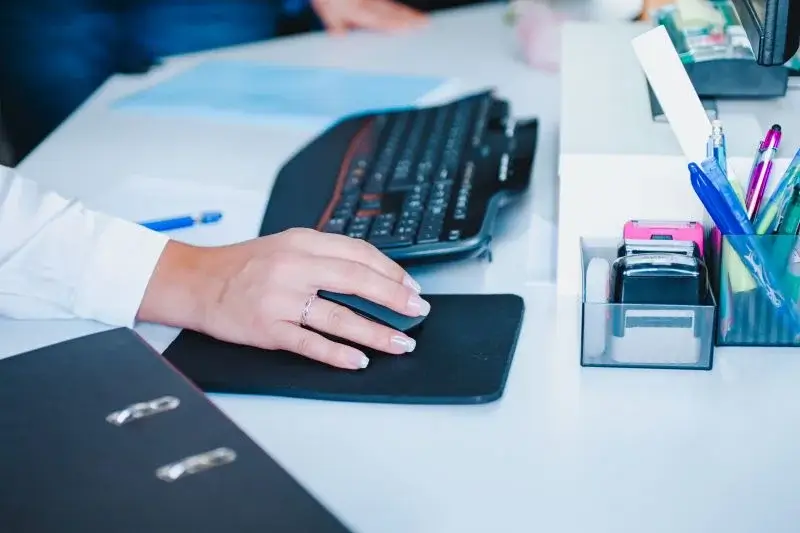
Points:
(641, 335)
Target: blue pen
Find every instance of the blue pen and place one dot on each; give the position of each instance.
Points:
(716, 149)
(732, 220)
(186, 221)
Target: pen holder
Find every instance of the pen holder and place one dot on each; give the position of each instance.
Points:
(640, 335)
(748, 314)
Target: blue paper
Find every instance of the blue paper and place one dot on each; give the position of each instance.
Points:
(262, 91)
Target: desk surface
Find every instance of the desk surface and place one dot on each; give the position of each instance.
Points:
(566, 449)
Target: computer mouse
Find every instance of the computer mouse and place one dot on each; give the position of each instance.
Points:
(372, 311)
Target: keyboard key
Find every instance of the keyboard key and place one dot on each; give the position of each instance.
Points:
(359, 227)
(335, 225)
(370, 202)
(384, 222)
(391, 241)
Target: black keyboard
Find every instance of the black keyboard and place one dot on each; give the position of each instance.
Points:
(420, 184)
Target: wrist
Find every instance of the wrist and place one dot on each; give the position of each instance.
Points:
(183, 287)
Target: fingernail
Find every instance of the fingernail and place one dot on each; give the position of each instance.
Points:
(418, 306)
(357, 360)
(412, 284)
(406, 343)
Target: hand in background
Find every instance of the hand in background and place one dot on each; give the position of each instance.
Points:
(261, 292)
(339, 16)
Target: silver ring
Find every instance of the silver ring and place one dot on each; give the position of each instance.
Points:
(307, 310)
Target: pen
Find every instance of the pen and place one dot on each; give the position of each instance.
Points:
(732, 220)
(761, 169)
(729, 261)
(786, 237)
(738, 280)
(718, 147)
(766, 218)
(185, 221)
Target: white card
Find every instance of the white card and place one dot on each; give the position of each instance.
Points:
(671, 84)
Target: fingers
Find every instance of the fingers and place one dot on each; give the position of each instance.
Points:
(343, 247)
(339, 15)
(386, 15)
(337, 320)
(293, 338)
(346, 277)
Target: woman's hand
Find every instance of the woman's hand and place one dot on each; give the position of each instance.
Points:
(338, 16)
(260, 292)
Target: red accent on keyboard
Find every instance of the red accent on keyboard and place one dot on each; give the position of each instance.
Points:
(341, 178)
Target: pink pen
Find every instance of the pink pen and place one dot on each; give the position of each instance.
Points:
(761, 169)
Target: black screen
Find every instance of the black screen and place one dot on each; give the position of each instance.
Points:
(773, 27)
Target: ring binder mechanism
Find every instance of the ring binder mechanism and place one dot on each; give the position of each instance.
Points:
(196, 464)
(143, 409)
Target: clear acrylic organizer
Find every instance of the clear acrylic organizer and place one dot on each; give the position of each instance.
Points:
(642, 335)
(748, 314)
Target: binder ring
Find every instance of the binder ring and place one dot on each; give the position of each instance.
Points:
(143, 409)
(195, 464)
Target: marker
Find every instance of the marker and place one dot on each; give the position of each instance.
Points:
(766, 218)
(186, 221)
(761, 170)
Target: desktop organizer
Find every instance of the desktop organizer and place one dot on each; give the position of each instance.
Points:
(746, 315)
(717, 54)
(642, 335)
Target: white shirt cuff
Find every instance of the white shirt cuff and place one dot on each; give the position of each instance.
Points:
(116, 276)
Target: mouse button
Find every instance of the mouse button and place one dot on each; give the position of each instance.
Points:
(409, 323)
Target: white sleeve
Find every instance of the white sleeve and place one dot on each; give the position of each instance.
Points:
(59, 259)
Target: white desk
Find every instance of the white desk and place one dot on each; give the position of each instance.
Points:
(566, 449)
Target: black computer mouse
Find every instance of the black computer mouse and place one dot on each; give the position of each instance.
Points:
(373, 311)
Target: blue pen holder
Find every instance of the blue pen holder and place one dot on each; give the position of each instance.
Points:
(625, 335)
(747, 313)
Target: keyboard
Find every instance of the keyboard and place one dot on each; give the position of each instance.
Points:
(421, 184)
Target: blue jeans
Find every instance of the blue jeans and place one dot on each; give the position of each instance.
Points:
(56, 53)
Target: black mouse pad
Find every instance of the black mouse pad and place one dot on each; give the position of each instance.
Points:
(463, 354)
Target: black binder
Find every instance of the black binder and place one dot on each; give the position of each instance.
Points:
(100, 433)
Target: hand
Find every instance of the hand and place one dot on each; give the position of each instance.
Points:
(255, 293)
(338, 16)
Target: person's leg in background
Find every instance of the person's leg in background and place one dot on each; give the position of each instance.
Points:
(53, 55)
